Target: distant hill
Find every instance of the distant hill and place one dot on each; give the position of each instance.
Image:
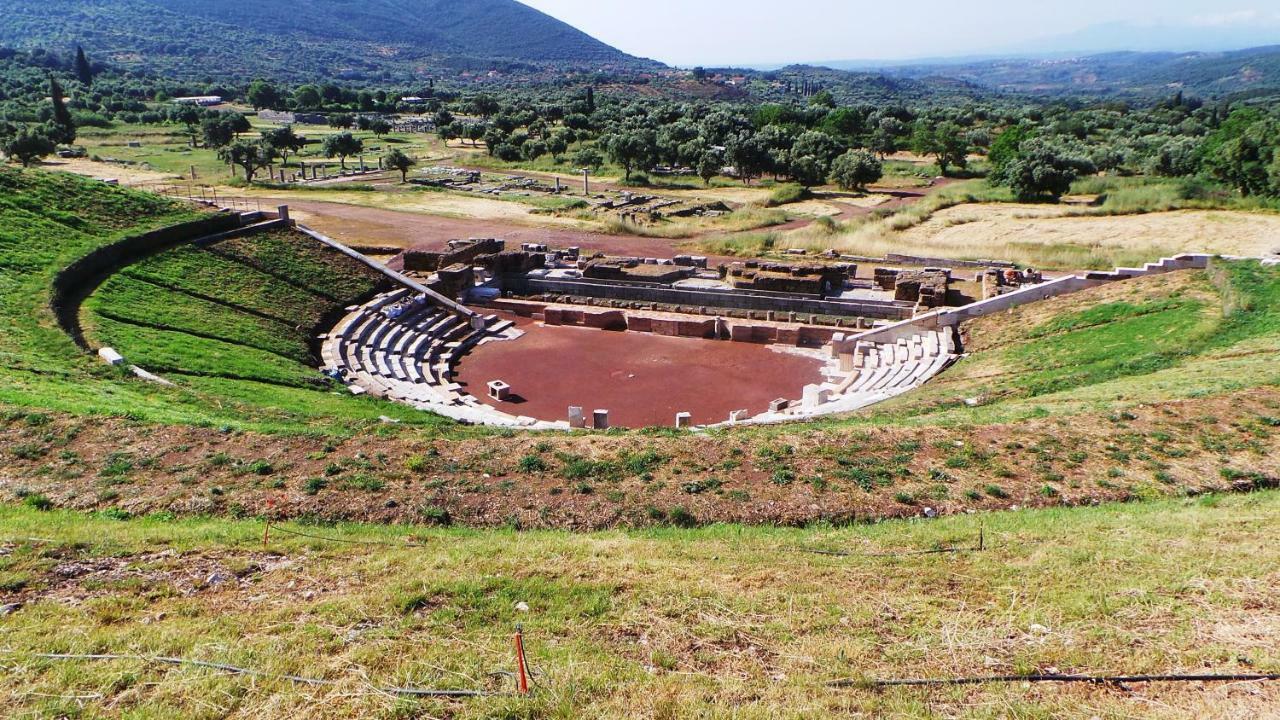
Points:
(1209, 74)
(310, 39)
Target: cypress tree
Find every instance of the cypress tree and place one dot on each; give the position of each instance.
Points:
(66, 127)
(84, 72)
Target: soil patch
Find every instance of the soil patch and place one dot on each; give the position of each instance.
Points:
(364, 226)
(642, 379)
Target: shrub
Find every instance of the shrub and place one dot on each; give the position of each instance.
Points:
(681, 517)
(783, 476)
(996, 491)
(434, 515)
(786, 194)
(314, 485)
(261, 467)
(532, 464)
(38, 502)
(367, 483)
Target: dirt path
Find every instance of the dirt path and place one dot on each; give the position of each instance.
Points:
(374, 227)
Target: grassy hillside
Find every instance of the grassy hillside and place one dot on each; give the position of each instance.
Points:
(204, 313)
(311, 40)
(1159, 386)
(1185, 335)
(720, 622)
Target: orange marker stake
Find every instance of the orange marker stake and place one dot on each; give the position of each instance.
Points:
(522, 678)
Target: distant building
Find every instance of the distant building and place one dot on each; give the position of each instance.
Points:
(292, 118)
(201, 100)
(413, 100)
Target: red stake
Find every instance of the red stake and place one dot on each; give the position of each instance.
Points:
(522, 679)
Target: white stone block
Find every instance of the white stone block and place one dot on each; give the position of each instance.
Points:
(110, 356)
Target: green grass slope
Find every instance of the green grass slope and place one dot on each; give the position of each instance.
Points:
(723, 622)
(232, 321)
(1184, 335)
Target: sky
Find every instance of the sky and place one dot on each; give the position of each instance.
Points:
(767, 32)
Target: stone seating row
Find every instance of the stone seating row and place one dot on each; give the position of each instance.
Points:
(410, 358)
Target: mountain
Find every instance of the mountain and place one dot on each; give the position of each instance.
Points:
(1231, 31)
(1123, 74)
(310, 39)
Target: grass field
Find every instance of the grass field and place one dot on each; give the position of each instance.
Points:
(720, 622)
(205, 312)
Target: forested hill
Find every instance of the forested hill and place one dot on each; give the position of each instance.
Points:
(310, 39)
(1205, 74)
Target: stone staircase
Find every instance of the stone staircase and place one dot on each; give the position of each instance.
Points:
(402, 346)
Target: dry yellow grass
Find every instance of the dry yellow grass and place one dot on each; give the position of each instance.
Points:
(428, 203)
(101, 170)
(1054, 236)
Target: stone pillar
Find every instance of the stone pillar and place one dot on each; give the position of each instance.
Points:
(683, 420)
(576, 418)
(600, 419)
(283, 211)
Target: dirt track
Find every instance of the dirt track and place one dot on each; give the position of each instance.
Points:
(363, 226)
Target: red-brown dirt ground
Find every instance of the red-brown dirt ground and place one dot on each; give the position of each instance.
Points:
(643, 380)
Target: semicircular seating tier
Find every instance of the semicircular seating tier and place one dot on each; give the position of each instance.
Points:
(862, 373)
(403, 347)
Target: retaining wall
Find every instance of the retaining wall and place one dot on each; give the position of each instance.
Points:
(953, 317)
(724, 299)
(83, 276)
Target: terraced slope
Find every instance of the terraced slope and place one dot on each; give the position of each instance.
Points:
(243, 309)
(1185, 335)
(232, 321)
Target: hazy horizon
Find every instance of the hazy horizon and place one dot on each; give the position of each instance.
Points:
(750, 33)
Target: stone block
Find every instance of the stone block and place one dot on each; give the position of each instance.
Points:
(499, 390)
(576, 417)
(684, 420)
(779, 405)
(110, 356)
(600, 419)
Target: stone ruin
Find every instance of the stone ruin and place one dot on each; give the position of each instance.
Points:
(636, 270)
(927, 288)
(818, 280)
(453, 281)
(418, 259)
(998, 281)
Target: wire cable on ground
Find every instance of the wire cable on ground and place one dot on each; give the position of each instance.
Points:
(234, 670)
(1091, 679)
(979, 547)
(381, 543)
